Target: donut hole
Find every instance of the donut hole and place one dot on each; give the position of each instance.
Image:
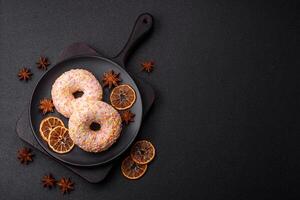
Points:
(77, 94)
(95, 126)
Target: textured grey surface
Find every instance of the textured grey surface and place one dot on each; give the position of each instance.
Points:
(225, 79)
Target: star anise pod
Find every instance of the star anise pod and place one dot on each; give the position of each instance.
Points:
(43, 63)
(46, 105)
(147, 66)
(66, 185)
(48, 181)
(24, 74)
(25, 155)
(127, 116)
(110, 78)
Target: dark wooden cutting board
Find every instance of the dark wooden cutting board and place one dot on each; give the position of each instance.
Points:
(91, 174)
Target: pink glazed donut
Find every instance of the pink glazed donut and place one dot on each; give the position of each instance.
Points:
(97, 112)
(72, 81)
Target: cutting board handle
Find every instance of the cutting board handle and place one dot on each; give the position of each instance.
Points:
(142, 27)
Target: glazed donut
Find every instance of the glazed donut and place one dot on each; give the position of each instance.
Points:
(99, 112)
(72, 81)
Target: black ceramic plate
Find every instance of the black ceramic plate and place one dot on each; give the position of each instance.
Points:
(97, 65)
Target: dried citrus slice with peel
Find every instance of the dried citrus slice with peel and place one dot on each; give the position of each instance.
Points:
(48, 124)
(131, 169)
(142, 152)
(122, 97)
(59, 140)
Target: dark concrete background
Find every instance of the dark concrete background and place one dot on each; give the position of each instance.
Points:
(226, 82)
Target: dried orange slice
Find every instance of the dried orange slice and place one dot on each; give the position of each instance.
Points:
(122, 97)
(47, 125)
(142, 152)
(59, 140)
(131, 169)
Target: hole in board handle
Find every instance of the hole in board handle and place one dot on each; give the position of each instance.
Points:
(145, 21)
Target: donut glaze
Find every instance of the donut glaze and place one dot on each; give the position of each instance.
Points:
(70, 82)
(100, 112)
